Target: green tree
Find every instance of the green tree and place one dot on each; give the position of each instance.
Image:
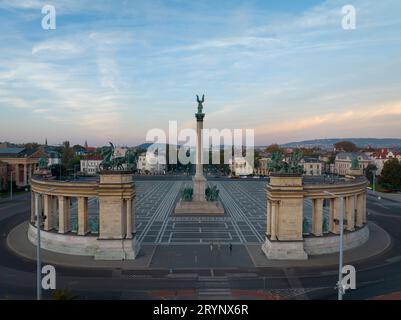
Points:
(369, 171)
(390, 177)
(274, 148)
(346, 146)
(67, 154)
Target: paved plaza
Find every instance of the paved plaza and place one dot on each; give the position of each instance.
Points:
(244, 221)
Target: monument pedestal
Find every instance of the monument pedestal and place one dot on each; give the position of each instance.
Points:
(284, 250)
(204, 208)
(124, 249)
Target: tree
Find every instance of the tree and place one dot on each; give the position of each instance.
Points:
(390, 177)
(274, 148)
(346, 146)
(67, 154)
(369, 171)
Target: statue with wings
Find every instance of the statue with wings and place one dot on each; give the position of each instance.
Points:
(200, 103)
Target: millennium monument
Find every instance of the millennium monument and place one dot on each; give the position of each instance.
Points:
(199, 200)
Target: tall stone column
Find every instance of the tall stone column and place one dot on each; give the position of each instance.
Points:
(273, 221)
(129, 219)
(49, 222)
(268, 217)
(25, 174)
(317, 217)
(64, 222)
(38, 207)
(199, 181)
(17, 178)
(29, 173)
(83, 222)
(332, 225)
(337, 215)
(359, 210)
(350, 213)
(364, 216)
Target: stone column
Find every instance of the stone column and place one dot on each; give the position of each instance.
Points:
(273, 221)
(64, 224)
(199, 181)
(364, 216)
(129, 219)
(268, 217)
(25, 174)
(48, 212)
(17, 182)
(83, 222)
(317, 217)
(337, 214)
(29, 173)
(359, 210)
(331, 215)
(38, 207)
(350, 213)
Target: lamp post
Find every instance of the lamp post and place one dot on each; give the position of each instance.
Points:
(341, 252)
(38, 245)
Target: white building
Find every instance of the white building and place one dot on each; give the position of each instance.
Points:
(312, 166)
(90, 164)
(53, 158)
(149, 163)
(240, 167)
(343, 162)
(380, 157)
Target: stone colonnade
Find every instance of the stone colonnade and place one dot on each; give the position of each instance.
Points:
(285, 223)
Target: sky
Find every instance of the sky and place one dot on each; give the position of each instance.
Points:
(113, 70)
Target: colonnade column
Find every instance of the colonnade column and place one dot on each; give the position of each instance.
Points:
(64, 224)
(350, 212)
(337, 215)
(83, 222)
(317, 217)
(129, 219)
(38, 207)
(364, 218)
(359, 210)
(268, 217)
(332, 225)
(273, 226)
(17, 174)
(25, 174)
(49, 212)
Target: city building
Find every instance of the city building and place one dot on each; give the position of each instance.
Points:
(312, 166)
(3, 176)
(21, 162)
(381, 156)
(90, 164)
(263, 167)
(343, 162)
(149, 163)
(240, 167)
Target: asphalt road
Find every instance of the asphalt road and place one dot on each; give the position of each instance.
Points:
(378, 276)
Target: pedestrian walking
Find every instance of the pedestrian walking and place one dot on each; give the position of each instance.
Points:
(218, 245)
(230, 247)
(211, 247)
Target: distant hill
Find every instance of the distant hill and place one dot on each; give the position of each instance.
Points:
(359, 142)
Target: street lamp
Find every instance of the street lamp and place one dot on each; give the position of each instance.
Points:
(38, 248)
(341, 252)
